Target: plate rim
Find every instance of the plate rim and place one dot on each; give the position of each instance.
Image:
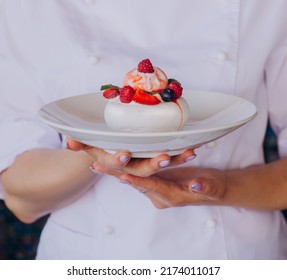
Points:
(41, 114)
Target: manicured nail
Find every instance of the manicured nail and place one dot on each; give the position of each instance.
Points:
(164, 163)
(123, 159)
(124, 181)
(190, 158)
(95, 170)
(196, 187)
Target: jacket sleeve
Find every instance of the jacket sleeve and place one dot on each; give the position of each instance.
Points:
(21, 93)
(276, 82)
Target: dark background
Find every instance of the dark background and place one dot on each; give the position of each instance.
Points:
(19, 241)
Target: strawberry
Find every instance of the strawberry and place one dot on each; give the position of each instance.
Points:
(111, 93)
(126, 94)
(145, 66)
(177, 88)
(145, 98)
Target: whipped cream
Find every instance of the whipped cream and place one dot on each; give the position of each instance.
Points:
(134, 117)
(146, 81)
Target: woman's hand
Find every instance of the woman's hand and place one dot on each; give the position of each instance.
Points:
(164, 187)
(258, 187)
(179, 186)
(122, 163)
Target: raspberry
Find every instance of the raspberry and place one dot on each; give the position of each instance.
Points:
(111, 93)
(145, 66)
(126, 94)
(177, 88)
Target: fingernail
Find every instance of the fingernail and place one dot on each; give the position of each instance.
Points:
(123, 159)
(66, 145)
(196, 187)
(124, 181)
(95, 170)
(190, 158)
(164, 163)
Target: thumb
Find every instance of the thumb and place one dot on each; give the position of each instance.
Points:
(205, 187)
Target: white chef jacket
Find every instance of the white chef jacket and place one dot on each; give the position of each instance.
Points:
(58, 48)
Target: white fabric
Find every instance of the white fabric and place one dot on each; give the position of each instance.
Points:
(53, 49)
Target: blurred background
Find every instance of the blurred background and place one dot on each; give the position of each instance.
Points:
(19, 241)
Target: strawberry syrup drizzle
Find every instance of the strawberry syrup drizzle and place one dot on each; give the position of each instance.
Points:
(181, 115)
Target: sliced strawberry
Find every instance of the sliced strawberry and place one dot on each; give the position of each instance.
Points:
(145, 66)
(177, 88)
(145, 98)
(111, 93)
(126, 94)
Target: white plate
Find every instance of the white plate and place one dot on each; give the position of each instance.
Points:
(213, 115)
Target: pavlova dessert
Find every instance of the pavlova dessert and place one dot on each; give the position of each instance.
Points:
(147, 102)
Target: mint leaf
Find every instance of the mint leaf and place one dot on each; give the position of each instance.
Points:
(151, 92)
(104, 87)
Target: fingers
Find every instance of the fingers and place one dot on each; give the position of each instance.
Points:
(122, 160)
(107, 160)
(171, 192)
(110, 161)
(97, 168)
(120, 163)
(184, 157)
(207, 189)
(157, 190)
(74, 145)
(167, 193)
(148, 166)
(149, 184)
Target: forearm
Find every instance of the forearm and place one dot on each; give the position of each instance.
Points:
(43, 180)
(259, 187)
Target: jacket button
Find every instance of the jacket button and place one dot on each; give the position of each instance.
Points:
(211, 223)
(211, 144)
(94, 59)
(108, 229)
(222, 56)
(89, 2)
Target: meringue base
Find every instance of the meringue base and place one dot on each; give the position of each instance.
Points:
(135, 117)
